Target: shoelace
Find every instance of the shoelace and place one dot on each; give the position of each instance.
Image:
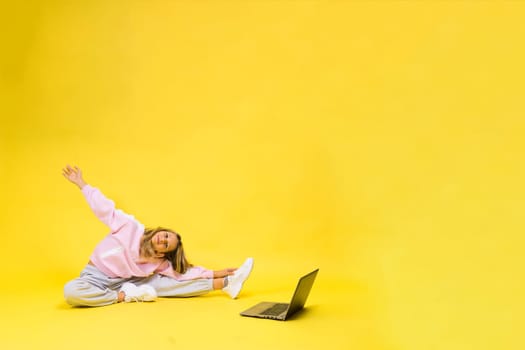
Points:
(137, 299)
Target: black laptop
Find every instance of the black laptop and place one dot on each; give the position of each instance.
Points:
(282, 311)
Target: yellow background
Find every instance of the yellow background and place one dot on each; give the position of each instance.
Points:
(380, 141)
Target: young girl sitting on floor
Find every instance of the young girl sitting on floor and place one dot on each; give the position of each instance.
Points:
(136, 264)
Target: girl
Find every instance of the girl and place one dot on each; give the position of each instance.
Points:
(136, 264)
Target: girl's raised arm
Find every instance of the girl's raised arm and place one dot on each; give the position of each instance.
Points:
(102, 207)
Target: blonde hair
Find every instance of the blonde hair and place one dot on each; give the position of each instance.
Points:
(177, 257)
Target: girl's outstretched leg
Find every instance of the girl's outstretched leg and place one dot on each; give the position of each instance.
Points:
(170, 287)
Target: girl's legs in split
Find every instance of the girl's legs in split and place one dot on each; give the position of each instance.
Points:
(93, 288)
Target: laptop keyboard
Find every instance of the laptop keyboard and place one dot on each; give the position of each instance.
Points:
(275, 310)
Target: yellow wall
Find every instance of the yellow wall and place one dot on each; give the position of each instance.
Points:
(381, 141)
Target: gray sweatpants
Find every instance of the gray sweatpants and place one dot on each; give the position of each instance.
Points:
(94, 288)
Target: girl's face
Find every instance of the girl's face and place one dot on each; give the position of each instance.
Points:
(164, 242)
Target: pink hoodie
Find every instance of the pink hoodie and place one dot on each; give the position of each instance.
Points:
(117, 255)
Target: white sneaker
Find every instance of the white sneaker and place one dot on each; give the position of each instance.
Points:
(236, 280)
(141, 293)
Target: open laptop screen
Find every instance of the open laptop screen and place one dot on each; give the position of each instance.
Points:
(302, 291)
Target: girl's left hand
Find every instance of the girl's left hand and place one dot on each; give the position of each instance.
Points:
(223, 273)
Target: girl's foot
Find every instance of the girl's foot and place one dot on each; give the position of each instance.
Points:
(235, 281)
(141, 293)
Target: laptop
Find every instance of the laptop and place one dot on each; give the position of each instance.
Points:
(282, 311)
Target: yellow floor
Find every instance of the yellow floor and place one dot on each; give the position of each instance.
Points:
(34, 319)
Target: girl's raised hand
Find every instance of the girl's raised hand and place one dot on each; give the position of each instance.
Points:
(74, 174)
